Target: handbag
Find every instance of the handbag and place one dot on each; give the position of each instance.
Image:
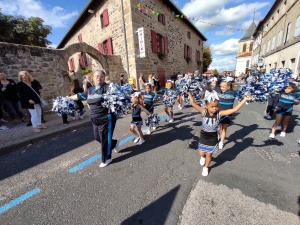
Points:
(43, 103)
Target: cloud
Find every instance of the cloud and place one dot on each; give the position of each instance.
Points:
(224, 32)
(56, 17)
(216, 13)
(52, 46)
(228, 47)
(224, 63)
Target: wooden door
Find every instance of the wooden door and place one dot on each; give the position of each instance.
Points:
(161, 77)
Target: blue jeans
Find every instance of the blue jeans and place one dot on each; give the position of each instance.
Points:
(13, 106)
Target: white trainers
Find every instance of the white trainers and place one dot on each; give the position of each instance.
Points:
(272, 136)
(168, 118)
(136, 140)
(269, 117)
(278, 128)
(179, 107)
(141, 141)
(153, 128)
(266, 114)
(221, 145)
(106, 163)
(282, 134)
(205, 171)
(171, 120)
(202, 161)
(148, 132)
(116, 149)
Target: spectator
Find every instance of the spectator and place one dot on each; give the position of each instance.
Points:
(11, 99)
(121, 81)
(141, 81)
(87, 82)
(151, 81)
(174, 77)
(1, 113)
(107, 80)
(156, 84)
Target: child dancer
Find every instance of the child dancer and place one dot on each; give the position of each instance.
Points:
(208, 142)
(170, 92)
(226, 101)
(179, 98)
(137, 120)
(148, 98)
(213, 82)
(284, 109)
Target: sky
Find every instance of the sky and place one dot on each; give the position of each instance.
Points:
(60, 15)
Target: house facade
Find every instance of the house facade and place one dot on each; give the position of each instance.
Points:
(170, 44)
(245, 47)
(277, 39)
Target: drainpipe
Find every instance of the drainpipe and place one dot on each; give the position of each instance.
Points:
(125, 39)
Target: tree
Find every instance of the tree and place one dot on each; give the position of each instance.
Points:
(216, 72)
(20, 30)
(207, 57)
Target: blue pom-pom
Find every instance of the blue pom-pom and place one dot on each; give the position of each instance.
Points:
(152, 120)
(63, 105)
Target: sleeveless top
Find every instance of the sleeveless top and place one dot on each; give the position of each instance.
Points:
(209, 128)
(136, 113)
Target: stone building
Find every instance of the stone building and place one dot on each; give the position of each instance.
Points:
(245, 48)
(277, 39)
(171, 44)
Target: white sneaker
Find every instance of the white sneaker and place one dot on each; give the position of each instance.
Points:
(282, 134)
(179, 107)
(266, 114)
(202, 161)
(136, 140)
(205, 171)
(272, 136)
(269, 117)
(116, 149)
(171, 120)
(168, 118)
(278, 128)
(148, 132)
(141, 141)
(106, 163)
(221, 145)
(153, 128)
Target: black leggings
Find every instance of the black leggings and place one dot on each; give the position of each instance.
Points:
(103, 129)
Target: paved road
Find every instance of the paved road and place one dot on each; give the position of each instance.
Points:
(156, 183)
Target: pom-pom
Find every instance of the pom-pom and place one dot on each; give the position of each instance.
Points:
(64, 105)
(152, 120)
(169, 97)
(189, 85)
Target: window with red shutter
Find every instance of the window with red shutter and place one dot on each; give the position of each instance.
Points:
(109, 46)
(184, 54)
(191, 56)
(80, 38)
(163, 19)
(189, 35)
(153, 39)
(105, 18)
(166, 49)
(84, 60)
(100, 47)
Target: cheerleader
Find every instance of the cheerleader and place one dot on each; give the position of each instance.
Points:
(137, 121)
(148, 98)
(179, 98)
(169, 93)
(208, 142)
(213, 81)
(226, 101)
(284, 109)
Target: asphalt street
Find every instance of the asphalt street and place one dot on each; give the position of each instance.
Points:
(157, 182)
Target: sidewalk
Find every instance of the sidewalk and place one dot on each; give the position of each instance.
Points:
(19, 136)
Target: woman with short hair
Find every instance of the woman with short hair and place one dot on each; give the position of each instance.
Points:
(30, 99)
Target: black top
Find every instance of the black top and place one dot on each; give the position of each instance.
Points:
(26, 93)
(136, 113)
(121, 82)
(94, 97)
(79, 102)
(11, 92)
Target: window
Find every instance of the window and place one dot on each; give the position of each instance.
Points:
(279, 38)
(273, 42)
(264, 49)
(104, 19)
(80, 38)
(187, 52)
(159, 43)
(197, 55)
(82, 60)
(282, 63)
(244, 47)
(278, 11)
(162, 18)
(199, 42)
(251, 47)
(72, 64)
(189, 35)
(285, 2)
(106, 47)
(275, 65)
(293, 65)
(288, 30)
(297, 29)
(268, 46)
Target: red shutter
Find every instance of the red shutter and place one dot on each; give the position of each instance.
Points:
(166, 49)
(153, 39)
(84, 60)
(100, 47)
(184, 54)
(191, 56)
(163, 19)
(80, 38)
(109, 46)
(105, 18)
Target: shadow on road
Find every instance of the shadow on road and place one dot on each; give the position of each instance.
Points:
(155, 213)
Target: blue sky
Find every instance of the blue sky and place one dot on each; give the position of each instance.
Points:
(60, 14)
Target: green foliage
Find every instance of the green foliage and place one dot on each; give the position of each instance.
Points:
(23, 31)
(216, 72)
(85, 71)
(207, 57)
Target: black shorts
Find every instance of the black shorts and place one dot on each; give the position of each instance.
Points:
(149, 107)
(225, 120)
(285, 111)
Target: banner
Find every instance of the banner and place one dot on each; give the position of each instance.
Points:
(142, 42)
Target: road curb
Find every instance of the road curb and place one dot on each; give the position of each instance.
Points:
(42, 137)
